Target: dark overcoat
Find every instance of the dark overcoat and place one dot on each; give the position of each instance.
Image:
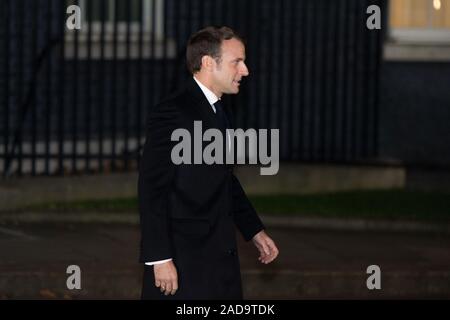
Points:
(188, 212)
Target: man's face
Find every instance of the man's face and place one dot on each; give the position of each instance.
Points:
(231, 68)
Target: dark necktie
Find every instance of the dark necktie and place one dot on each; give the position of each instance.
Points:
(224, 124)
(221, 116)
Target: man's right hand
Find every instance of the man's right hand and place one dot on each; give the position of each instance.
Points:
(166, 277)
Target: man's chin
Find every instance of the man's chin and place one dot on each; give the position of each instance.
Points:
(234, 91)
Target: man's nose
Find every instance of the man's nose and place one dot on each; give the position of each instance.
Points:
(244, 70)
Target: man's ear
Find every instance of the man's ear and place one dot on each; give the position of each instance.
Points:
(208, 63)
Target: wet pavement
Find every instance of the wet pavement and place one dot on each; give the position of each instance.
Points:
(313, 263)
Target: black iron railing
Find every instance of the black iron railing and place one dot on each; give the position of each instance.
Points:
(75, 100)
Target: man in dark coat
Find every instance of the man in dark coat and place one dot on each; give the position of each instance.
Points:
(189, 211)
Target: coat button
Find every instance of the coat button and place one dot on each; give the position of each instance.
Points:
(232, 252)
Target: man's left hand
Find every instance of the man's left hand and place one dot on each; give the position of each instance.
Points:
(268, 251)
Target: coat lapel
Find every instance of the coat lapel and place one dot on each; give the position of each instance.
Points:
(200, 105)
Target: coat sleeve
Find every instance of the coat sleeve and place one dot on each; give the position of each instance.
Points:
(245, 216)
(156, 174)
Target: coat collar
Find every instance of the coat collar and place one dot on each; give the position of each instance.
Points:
(201, 105)
(210, 96)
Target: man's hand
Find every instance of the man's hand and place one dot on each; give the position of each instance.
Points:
(166, 277)
(268, 251)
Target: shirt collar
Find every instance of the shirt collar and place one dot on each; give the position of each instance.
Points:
(212, 98)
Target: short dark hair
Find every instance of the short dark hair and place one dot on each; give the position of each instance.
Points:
(207, 42)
